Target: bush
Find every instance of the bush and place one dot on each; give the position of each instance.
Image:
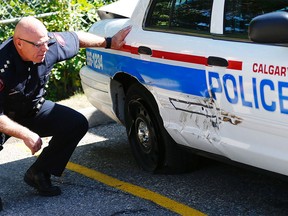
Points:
(72, 15)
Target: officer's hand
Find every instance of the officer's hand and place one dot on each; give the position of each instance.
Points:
(118, 40)
(33, 142)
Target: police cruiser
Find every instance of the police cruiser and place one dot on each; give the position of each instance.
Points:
(208, 76)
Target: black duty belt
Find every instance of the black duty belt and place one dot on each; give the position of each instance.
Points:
(38, 106)
(27, 113)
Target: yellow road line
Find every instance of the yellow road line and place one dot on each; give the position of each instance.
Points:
(135, 190)
(132, 189)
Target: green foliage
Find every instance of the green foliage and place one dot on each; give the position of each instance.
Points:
(72, 15)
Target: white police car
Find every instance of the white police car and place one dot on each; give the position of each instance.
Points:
(210, 75)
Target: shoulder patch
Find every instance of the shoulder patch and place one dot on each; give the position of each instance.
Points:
(59, 39)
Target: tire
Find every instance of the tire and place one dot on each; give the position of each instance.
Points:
(153, 148)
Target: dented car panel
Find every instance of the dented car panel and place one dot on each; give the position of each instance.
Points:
(221, 94)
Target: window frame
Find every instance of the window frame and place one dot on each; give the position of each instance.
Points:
(147, 18)
(235, 36)
(217, 25)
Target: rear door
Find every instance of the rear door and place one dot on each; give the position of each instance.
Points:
(172, 61)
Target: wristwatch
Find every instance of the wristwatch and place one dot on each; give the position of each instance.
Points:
(108, 42)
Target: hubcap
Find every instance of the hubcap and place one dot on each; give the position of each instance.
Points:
(143, 135)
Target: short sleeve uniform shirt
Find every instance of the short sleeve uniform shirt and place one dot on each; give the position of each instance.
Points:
(21, 82)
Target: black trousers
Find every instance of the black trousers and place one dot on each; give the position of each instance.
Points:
(65, 125)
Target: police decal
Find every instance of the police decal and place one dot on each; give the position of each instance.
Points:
(273, 70)
(232, 88)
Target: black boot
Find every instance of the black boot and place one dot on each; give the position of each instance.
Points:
(41, 181)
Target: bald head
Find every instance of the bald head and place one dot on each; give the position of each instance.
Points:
(29, 33)
(30, 27)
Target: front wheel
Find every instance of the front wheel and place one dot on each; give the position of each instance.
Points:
(153, 148)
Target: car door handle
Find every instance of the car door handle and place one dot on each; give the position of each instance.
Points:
(144, 50)
(217, 61)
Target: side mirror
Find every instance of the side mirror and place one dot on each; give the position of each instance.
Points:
(269, 28)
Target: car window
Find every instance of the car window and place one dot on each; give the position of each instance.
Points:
(239, 13)
(190, 16)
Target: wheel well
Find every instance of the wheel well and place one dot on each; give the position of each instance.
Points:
(119, 86)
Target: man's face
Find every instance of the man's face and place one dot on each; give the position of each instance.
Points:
(33, 48)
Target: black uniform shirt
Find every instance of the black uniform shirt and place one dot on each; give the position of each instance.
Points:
(21, 82)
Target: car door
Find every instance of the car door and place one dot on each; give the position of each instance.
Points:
(252, 96)
(172, 63)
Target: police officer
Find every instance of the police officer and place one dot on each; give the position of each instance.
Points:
(26, 60)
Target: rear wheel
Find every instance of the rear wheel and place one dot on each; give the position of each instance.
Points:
(152, 147)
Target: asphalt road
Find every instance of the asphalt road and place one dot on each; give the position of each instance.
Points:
(102, 178)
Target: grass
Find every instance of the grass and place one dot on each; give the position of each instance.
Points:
(77, 101)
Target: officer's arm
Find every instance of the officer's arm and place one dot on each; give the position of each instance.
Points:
(91, 40)
(11, 128)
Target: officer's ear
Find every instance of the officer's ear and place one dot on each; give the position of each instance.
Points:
(18, 43)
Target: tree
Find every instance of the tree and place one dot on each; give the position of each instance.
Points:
(71, 15)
